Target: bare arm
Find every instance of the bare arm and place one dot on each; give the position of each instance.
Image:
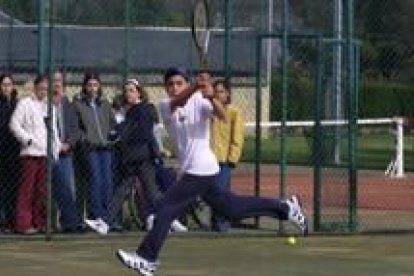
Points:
(218, 109)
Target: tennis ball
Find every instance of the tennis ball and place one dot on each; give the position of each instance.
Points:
(291, 240)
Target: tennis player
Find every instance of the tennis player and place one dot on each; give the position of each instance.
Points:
(186, 113)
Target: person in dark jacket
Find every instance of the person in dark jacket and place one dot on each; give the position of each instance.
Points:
(63, 172)
(9, 157)
(138, 149)
(96, 119)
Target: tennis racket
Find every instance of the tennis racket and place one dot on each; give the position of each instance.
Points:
(200, 29)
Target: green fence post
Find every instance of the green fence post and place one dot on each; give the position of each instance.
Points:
(127, 23)
(317, 136)
(352, 119)
(227, 40)
(49, 125)
(283, 142)
(40, 36)
(357, 64)
(10, 34)
(258, 130)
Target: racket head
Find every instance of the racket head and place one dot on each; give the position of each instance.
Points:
(200, 28)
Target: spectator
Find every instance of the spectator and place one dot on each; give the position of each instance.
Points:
(226, 142)
(118, 106)
(96, 120)
(138, 150)
(9, 157)
(158, 128)
(63, 173)
(28, 124)
(203, 77)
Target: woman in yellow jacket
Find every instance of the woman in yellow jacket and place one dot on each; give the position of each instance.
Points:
(226, 140)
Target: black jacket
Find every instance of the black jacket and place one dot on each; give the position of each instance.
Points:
(136, 137)
(9, 146)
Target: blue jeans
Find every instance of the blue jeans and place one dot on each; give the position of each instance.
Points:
(64, 191)
(219, 222)
(186, 191)
(100, 182)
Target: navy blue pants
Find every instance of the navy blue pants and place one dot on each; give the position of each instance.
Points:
(64, 191)
(219, 222)
(183, 193)
(100, 182)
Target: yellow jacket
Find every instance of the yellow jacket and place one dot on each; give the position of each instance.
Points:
(227, 136)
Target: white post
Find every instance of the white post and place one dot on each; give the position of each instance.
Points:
(399, 158)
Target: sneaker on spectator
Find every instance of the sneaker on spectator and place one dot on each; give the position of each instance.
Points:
(177, 226)
(149, 223)
(98, 225)
(29, 231)
(296, 214)
(134, 261)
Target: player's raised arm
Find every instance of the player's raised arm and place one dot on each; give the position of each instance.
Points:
(218, 108)
(180, 99)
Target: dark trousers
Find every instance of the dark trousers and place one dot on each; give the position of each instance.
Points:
(183, 193)
(100, 181)
(9, 181)
(31, 195)
(64, 192)
(142, 177)
(219, 222)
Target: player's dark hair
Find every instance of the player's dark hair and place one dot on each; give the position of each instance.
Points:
(175, 71)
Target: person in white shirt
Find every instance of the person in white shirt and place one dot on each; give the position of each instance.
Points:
(28, 124)
(186, 113)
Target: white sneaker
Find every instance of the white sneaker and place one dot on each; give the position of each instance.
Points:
(134, 261)
(177, 226)
(296, 214)
(98, 225)
(150, 222)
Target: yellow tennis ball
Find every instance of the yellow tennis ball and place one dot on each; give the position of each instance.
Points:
(291, 240)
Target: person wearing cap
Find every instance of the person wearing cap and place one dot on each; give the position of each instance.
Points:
(95, 121)
(137, 151)
(29, 125)
(186, 114)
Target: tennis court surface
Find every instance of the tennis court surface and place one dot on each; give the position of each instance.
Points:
(195, 255)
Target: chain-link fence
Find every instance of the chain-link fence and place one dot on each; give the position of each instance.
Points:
(308, 63)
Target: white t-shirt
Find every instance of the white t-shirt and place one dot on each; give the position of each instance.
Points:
(188, 127)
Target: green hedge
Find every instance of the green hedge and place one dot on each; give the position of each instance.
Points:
(377, 98)
(385, 99)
